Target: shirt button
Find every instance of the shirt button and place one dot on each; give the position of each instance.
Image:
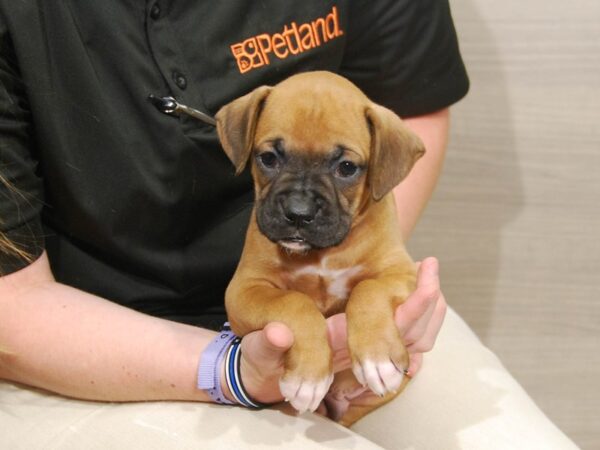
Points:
(180, 80)
(155, 11)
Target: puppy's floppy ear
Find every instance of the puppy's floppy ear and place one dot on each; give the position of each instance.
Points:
(394, 150)
(236, 124)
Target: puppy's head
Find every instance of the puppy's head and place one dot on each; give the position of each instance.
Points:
(320, 152)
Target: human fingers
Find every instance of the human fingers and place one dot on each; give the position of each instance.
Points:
(424, 339)
(338, 341)
(416, 360)
(337, 333)
(427, 341)
(413, 316)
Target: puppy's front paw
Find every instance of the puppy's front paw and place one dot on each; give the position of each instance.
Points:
(379, 361)
(307, 377)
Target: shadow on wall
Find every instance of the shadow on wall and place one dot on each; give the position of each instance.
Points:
(481, 189)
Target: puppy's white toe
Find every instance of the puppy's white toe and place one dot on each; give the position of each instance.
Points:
(358, 372)
(320, 392)
(289, 387)
(390, 375)
(382, 377)
(305, 395)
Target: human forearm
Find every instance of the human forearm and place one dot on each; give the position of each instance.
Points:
(67, 341)
(415, 191)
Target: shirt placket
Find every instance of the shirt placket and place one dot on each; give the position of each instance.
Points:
(169, 56)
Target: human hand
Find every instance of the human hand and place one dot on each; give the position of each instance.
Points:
(421, 316)
(262, 362)
(419, 320)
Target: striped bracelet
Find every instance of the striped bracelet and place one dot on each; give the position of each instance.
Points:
(233, 378)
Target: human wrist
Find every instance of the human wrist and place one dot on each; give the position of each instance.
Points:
(219, 371)
(211, 370)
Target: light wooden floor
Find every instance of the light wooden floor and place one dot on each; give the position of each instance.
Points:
(516, 218)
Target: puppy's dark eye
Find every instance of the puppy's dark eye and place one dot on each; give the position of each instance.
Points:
(268, 159)
(346, 169)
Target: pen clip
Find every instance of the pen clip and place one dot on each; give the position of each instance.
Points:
(168, 105)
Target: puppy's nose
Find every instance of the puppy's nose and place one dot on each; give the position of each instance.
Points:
(299, 209)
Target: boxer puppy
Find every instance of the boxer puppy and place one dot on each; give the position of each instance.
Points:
(324, 236)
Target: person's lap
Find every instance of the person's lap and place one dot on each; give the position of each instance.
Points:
(462, 398)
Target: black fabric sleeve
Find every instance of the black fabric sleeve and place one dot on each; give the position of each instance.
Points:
(21, 190)
(404, 54)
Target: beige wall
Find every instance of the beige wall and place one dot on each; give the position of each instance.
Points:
(516, 218)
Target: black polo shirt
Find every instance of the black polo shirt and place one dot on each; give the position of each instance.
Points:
(143, 208)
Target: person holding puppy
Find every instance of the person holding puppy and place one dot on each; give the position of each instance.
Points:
(121, 224)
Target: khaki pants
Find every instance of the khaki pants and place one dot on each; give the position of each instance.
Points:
(463, 398)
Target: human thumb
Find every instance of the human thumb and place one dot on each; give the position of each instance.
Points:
(263, 354)
(270, 344)
(265, 348)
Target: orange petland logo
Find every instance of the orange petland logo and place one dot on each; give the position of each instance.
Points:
(256, 51)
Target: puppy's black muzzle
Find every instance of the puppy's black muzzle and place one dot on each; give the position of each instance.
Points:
(306, 211)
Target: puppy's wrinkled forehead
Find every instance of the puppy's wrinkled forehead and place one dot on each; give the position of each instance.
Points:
(315, 113)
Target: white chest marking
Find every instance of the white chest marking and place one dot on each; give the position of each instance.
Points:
(336, 279)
